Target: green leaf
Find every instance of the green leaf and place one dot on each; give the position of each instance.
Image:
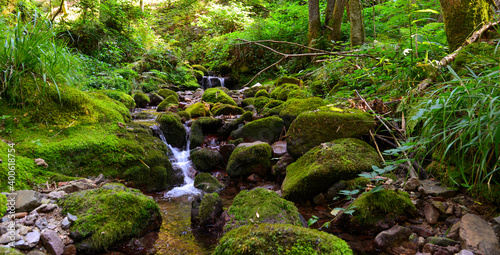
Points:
(376, 189)
(427, 11)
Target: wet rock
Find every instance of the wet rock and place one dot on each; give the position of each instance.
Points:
(226, 150)
(280, 167)
(478, 236)
(431, 214)
(206, 211)
(421, 231)
(396, 234)
(174, 131)
(139, 246)
(207, 183)
(205, 159)
(279, 148)
(433, 188)
(53, 243)
(412, 184)
(154, 99)
(27, 200)
(250, 158)
(266, 130)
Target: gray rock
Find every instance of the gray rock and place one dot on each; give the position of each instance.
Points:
(53, 243)
(36, 252)
(412, 184)
(477, 235)
(453, 232)
(433, 188)
(439, 206)
(48, 208)
(72, 218)
(334, 190)
(396, 234)
(78, 185)
(65, 224)
(56, 194)
(31, 239)
(41, 223)
(27, 200)
(280, 167)
(7, 238)
(22, 230)
(421, 231)
(431, 214)
(100, 179)
(279, 148)
(465, 252)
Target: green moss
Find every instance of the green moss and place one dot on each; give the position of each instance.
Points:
(9, 251)
(249, 158)
(293, 107)
(141, 100)
(248, 93)
(261, 206)
(226, 109)
(264, 239)
(262, 93)
(247, 101)
(301, 94)
(201, 127)
(315, 127)
(260, 102)
(184, 114)
(216, 95)
(357, 183)
(274, 107)
(325, 164)
(122, 97)
(108, 110)
(167, 92)
(108, 216)
(174, 131)
(208, 203)
(3, 204)
(198, 110)
(372, 207)
(200, 68)
(205, 159)
(170, 100)
(287, 80)
(281, 92)
(265, 129)
(207, 183)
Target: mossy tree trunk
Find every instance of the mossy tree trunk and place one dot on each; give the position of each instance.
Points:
(330, 7)
(357, 25)
(336, 21)
(314, 22)
(462, 18)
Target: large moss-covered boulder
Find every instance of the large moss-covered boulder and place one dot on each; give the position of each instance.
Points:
(206, 211)
(216, 95)
(168, 101)
(108, 216)
(270, 239)
(201, 127)
(273, 107)
(174, 131)
(265, 130)
(262, 93)
(287, 80)
(122, 97)
(207, 183)
(250, 158)
(261, 206)
(141, 100)
(373, 207)
(313, 128)
(205, 159)
(167, 92)
(325, 165)
(281, 93)
(260, 102)
(198, 110)
(293, 107)
(226, 109)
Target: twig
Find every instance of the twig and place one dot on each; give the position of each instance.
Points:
(263, 70)
(376, 146)
(63, 129)
(386, 141)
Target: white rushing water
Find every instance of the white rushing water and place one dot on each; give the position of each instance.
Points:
(208, 80)
(180, 160)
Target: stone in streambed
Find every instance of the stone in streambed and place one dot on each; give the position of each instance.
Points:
(250, 158)
(201, 127)
(396, 234)
(206, 211)
(174, 131)
(53, 243)
(478, 236)
(207, 183)
(265, 130)
(27, 200)
(205, 159)
(294, 107)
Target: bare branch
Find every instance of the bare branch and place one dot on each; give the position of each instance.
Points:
(265, 69)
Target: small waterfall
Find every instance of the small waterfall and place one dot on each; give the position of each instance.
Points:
(212, 81)
(180, 160)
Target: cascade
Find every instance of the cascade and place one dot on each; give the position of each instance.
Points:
(212, 81)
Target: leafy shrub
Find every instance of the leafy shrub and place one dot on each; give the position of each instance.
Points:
(223, 19)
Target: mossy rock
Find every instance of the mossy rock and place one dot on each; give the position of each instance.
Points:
(250, 158)
(274, 107)
(205, 159)
(260, 102)
(206, 211)
(167, 92)
(9, 251)
(249, 93)
(201, 127)
(266, 130)
(200, 68)
(300, 94)
(262, 93)
(109, 216)
(318, 88)
(293, 107)
(110, 110)
(270, 239)
(224, 69)
(141, 100)
(121, 97)
(373, 207)
(312, 128)
(3, 204)
(247, 101)
(198, 110)
(226, 109)
(170, 100)
(184, 114)
(326, 164)
(261, 206)
(174, 131)
(216, 95)
(287, 80)
(207, 183)
(281, 93)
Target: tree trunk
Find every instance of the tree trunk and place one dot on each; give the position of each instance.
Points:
(141, 3)
(314, 22)
(336, 21)
(357, 25)
(462, 17)
(330, 7)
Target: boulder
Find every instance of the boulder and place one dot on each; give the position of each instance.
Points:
(53, 243)
(206, 211)
(109, 216)
(435, 189)
(174, 131)
(287, 80)
(216, 95)
(78, 185)
(315, 127)
(165, 103)
(226, 109)
(265, 129)
(155, 99)
(201, 127)
(261, 206)
(250, 158)
(478, 236)
(271, 238)
(141, 100)
(281, 92)
(167, 92)
(198, 110)
(205, 159)
(280, 167)
(207, 183)
(293, 107)
(325, 164)
(394, 235)
(27, 200)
